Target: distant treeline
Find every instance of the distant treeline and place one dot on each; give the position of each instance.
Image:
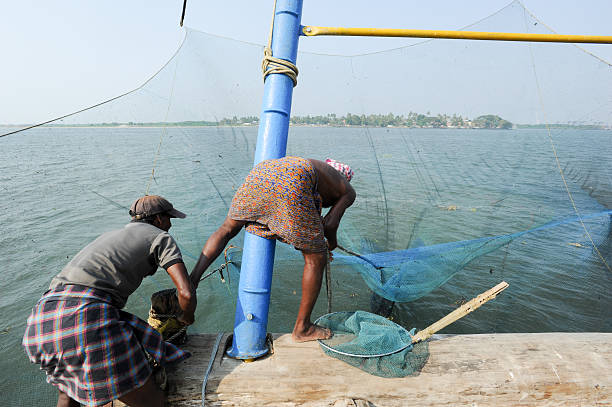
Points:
(391, 120)
(371, 120)
(416, 120)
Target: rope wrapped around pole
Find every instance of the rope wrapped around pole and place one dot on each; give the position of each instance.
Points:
(271, 64)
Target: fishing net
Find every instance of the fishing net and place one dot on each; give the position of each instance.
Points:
(407, 275)
(373, 344)
(165, 308)
(163, 316)
(448, 201)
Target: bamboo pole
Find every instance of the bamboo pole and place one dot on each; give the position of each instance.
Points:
(460, 312)
(463, 35)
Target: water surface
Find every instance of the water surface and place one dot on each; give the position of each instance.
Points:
(62, 187)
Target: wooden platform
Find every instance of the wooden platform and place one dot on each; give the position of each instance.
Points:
(549, 369)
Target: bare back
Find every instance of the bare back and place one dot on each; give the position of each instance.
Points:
(331, 184)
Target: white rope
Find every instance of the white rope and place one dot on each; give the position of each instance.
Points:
(271, 64)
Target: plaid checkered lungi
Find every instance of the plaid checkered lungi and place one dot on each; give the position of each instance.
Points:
(90, 349)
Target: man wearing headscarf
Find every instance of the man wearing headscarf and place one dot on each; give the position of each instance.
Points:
(92, 350)
(282, 199)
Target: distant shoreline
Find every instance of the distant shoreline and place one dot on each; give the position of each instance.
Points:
(411, 120)
(162, 125)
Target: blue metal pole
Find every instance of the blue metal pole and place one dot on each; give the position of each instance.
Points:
(251, 321)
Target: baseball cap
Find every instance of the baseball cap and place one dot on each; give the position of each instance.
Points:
(150, 205)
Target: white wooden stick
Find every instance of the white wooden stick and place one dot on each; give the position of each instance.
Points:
(459, 312)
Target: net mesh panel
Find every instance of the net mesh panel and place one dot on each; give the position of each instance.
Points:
(373, 344)
(407, 275)
(425, 196)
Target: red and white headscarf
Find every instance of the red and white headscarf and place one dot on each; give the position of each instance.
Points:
(341, 168)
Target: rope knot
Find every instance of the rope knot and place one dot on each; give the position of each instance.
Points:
(271, 64)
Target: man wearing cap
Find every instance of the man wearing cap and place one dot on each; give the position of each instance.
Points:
(92, 350)
(282, 199)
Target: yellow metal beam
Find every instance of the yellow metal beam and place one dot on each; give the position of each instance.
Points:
(463, 35)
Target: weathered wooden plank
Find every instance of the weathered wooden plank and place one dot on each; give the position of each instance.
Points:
(556, 369)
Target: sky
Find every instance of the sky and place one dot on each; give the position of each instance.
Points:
(62, 55)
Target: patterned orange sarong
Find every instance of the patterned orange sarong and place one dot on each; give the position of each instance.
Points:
(279, 200)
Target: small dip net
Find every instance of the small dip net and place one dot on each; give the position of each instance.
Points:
(383, 348)
(373, 344)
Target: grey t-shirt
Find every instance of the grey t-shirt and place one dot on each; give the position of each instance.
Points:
(117, 261)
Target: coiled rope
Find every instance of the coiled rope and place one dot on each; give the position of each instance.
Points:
(271, 64)
(225, 264)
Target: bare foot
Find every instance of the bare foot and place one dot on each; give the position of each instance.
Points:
(311, 333)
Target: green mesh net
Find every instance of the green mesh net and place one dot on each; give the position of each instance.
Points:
(373, 344)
